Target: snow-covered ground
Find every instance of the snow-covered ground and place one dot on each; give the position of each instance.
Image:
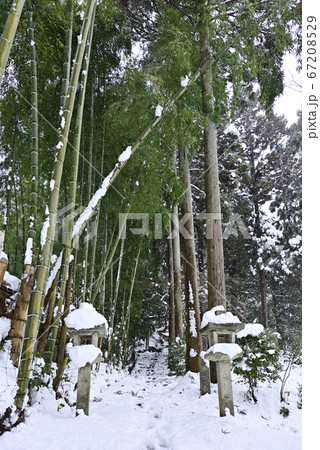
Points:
(150, 410)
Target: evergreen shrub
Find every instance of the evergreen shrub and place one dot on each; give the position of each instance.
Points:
(41, 375)
(260, 360)
(177, 358)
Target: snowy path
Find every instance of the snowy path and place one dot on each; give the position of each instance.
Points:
(148, 410)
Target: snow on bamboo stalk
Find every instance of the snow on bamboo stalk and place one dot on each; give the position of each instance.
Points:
(72, 191)
(19, 319)
(9, 33)
(48, 229)
(82, 221)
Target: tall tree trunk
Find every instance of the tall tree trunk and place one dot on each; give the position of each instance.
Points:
(177, 266)
(9, 33)
(172, 324)
(261, 272)
(258, 234)
(193, 337)
(48, 229)
(215, 264)
(263, 297)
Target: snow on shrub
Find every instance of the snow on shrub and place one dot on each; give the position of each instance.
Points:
(260, 360)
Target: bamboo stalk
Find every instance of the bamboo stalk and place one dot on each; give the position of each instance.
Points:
(17, 222)
(129, 309)
(105, 240)
(63, 97)
(18, 323)
(9, 33)
(108, 260)
(62, 357)
(50, 222)
(67, 57)
(20, 313)
(122, 324)
(45, 327)
(2, 235)
(71, 202)
(95, 239)
(89, 191)
(34, 141)
(115, 299)
(3, 258)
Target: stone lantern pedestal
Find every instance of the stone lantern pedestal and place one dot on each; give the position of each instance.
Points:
(220, 327)
(83, 386)
(85, 351)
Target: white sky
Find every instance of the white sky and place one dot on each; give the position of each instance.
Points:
(291, 100)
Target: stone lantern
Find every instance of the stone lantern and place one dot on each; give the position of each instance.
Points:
(85, 326)
(220, 327)
(86, 336)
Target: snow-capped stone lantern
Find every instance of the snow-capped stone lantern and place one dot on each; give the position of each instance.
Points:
(85, 326)
(220, 327)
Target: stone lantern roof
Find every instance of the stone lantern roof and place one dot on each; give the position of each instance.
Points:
(85, 323)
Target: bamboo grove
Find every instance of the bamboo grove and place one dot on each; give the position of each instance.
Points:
(116, 114)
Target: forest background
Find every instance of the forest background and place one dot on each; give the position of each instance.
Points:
(76, 99)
